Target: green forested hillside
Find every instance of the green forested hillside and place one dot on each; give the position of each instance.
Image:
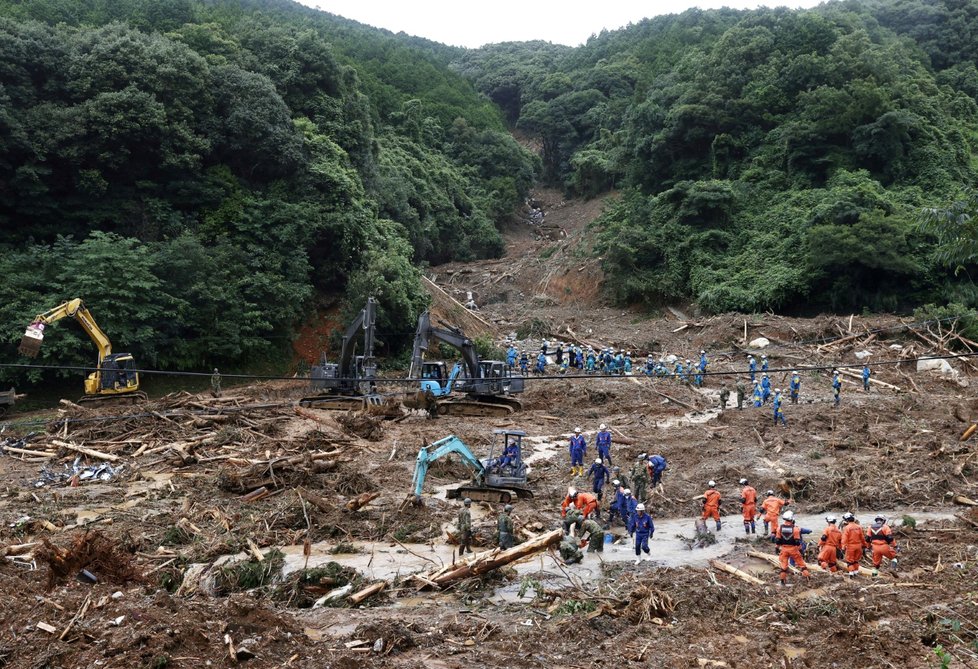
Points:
(767, 159)
(199, 171)
(203, 172)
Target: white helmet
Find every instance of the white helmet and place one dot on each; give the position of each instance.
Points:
(702, 352)
(848, 517)
(830, 519)
(616, 482)
(764, 355)
(777, 390)
(640, 507)
(880, 519)
(577, 430)
(602, 427)
(788, 515)
(712, 484)
(628, 491)
(642, 456)
(571, 492)
(597, 461)
(743, 481)
(769, 493)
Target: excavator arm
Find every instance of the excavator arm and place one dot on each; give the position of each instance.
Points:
(365, 321)
(30, 345)
(454, 338)
(440, 449)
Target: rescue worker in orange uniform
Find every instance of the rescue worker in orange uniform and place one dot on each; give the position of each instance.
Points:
(853, 543)
(711, 503)
(787, 538)
(748, 504)
(830, 545)
(771, 506)
(881, 540)
(568, 501)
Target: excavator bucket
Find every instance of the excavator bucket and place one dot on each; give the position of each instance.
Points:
(30, 343)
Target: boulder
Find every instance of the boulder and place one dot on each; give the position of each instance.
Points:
(760, 342)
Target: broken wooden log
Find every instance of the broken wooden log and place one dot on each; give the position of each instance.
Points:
(255, 495)
(812, 565)
(967, 433)
(739, 573)
(963, 501)
(361, 500)
(86, 451)
(487, 561)
(369, 591)
(872, 380)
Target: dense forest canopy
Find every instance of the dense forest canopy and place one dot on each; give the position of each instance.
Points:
(766, 159)
(199, 172)
(204, 173)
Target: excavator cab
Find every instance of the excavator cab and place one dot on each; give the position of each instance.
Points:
(117, 373)
(508, 469)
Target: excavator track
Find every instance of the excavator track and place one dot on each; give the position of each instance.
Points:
(134, 397)
(494, 495)
(473, 408)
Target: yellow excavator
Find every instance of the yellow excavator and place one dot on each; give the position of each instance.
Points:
(115, 377)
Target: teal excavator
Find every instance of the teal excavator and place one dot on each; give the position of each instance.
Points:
(495, 479)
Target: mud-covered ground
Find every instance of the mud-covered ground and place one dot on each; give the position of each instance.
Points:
(172, 539)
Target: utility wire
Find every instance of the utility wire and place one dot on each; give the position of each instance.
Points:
(532, 377)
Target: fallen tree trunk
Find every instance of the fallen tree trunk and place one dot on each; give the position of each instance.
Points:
(739, 573)
(487, 561)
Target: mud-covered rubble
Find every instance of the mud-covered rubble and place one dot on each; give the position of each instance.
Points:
(202, 491)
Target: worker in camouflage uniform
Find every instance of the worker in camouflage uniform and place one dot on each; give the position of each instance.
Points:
(594, 534)
(504, 525)
(640, 477)
(741, 393)
(465, 527)
(216, 383)
(570, 552)
(724, 397)
(573, 518)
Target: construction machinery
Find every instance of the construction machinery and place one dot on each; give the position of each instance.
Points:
(7, 400)
(349, 383)
(494, 479)
(487, 385)
(115, 376)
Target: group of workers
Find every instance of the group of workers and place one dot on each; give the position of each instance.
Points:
(839, 546)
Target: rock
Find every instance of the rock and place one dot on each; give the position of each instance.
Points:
(378, 645)
(760, 342)
(862, 355)
(942, 366)
(896, 347)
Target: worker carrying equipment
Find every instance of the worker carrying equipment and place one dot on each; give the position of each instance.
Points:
(881, 541)
(788, 540)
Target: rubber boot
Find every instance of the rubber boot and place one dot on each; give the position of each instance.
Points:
(718, 525)
(753, 528)
(746, 527)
